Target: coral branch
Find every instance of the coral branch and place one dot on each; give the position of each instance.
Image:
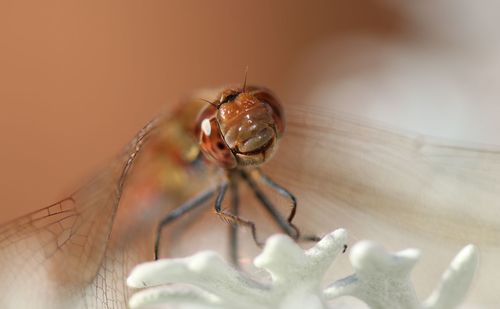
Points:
(381, 279)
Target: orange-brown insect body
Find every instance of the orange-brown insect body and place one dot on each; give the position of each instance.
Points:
(241, 128)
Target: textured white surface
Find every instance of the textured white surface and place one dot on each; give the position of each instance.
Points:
(380, 279)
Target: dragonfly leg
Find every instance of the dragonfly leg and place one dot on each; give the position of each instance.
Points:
(286, 225)
(283, 192)
(287, 194)
(231, 218)
(179, 211)
(233, 228)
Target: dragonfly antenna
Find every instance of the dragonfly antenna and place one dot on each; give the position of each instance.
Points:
(209, 102)
(245, 80)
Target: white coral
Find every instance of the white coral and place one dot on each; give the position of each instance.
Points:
(381, 279)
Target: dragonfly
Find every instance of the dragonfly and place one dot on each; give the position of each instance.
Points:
(392, 187)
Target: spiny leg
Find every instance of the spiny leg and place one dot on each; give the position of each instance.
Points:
(286, 225)
(233, 228)
(179, 211)
(287, 194)
(232, 219)
(283, 192)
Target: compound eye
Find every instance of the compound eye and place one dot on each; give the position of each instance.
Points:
(213, 146)
(266, 97)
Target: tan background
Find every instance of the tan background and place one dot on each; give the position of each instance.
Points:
(79, 78)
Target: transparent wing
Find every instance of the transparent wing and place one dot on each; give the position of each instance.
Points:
(398, 189)
(431, 188)
(56, 256)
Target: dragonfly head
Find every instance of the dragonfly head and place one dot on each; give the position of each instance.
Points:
(241, 128)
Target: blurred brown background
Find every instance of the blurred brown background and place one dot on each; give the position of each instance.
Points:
(79, 78)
